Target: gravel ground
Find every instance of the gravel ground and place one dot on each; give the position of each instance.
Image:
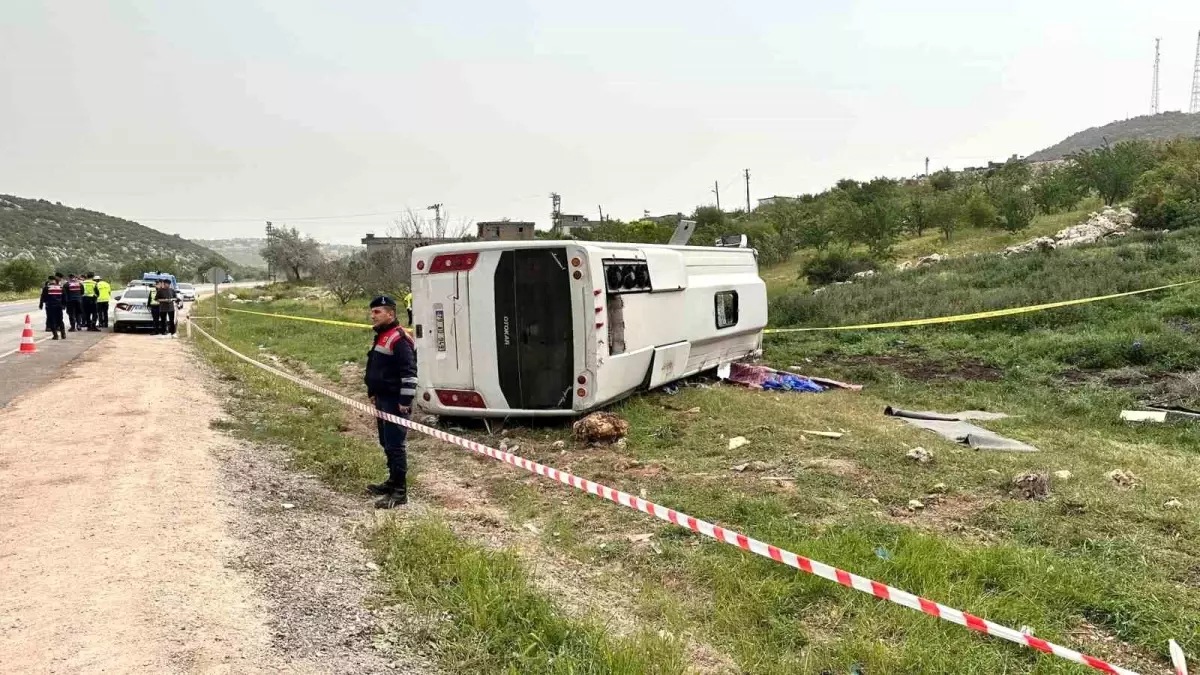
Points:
(302, 552)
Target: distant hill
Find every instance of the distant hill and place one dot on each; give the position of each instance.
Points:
(53, 233)
(1161, 127)
(247, 251)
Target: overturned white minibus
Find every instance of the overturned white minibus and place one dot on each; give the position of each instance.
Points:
(538, 328)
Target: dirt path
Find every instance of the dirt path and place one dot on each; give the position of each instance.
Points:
(119, 534)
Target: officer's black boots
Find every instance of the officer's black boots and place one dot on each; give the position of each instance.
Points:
(398, 497)
(392, 493)
(380, 489)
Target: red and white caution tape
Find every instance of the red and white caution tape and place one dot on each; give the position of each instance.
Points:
(723, 535)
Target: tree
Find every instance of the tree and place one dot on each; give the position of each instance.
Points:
(289, 250)
(1057, 190)
(22, 275)
(1168, 196)
(1016, 209)
(980, 211)
(916, 210)
(344, 277)
(1112, 170)
(869, 213)
(943, 181)
(947, 212)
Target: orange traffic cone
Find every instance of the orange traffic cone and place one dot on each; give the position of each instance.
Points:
(27, 346)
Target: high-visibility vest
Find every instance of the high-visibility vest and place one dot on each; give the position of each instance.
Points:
(105, 289)
(408, 301)
(89, 288)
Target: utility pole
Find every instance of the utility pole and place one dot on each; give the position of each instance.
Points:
(747, 172)
(601, 210)
(437, 219)
(1195, 106)
(1154, 93)
(717, 192)
(926, 167)
(270, 233)
(555, 212)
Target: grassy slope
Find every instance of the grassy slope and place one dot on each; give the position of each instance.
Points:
(787, 276)
(1091, 564)
(48, 231)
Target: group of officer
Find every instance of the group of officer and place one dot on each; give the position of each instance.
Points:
(85, 300)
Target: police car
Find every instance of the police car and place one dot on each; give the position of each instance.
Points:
(132, 310)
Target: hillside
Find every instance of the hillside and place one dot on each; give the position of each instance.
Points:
(247, 251)
(53, 233)
(1161, 127)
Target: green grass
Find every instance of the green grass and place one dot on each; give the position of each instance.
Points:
(8, 296)
(495, 621)
(1115, 559)
(1108, 571)
(486, 613)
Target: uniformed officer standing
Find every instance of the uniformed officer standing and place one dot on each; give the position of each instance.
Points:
(89, 302)
(52, 302)
(408, 306)
(391, 380)
(73, 292)
(103, 297)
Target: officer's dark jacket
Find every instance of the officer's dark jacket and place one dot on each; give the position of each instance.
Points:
(52, 296)
(73, 290)
(392, 364)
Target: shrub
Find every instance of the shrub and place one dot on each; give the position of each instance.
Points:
(837, 263)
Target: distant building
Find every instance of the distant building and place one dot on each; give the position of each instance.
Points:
(402, 248)
(506, 230)
(569, 224)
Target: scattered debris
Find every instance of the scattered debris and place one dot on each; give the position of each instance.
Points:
(915, 505)
(1143, 416)
(756, 465)
(865, 274)
(1122, 478)
(882, 553)
(1172, 504)
(601, 428)
(1031, 486)
(768, 379)
(825, 381)
(873, 500)
(939, 488)
(738, 442)
(559, 445)
(640, 538)
(957, 428)
(993, 472)
(621, 444)
(1062, 475)
(823, 434)
(671, 389)
(920, 454)
(532, 528)
(288, 506)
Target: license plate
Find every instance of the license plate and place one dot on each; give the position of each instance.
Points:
(440, 328)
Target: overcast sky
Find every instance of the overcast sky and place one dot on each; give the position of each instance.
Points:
(207, 118)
